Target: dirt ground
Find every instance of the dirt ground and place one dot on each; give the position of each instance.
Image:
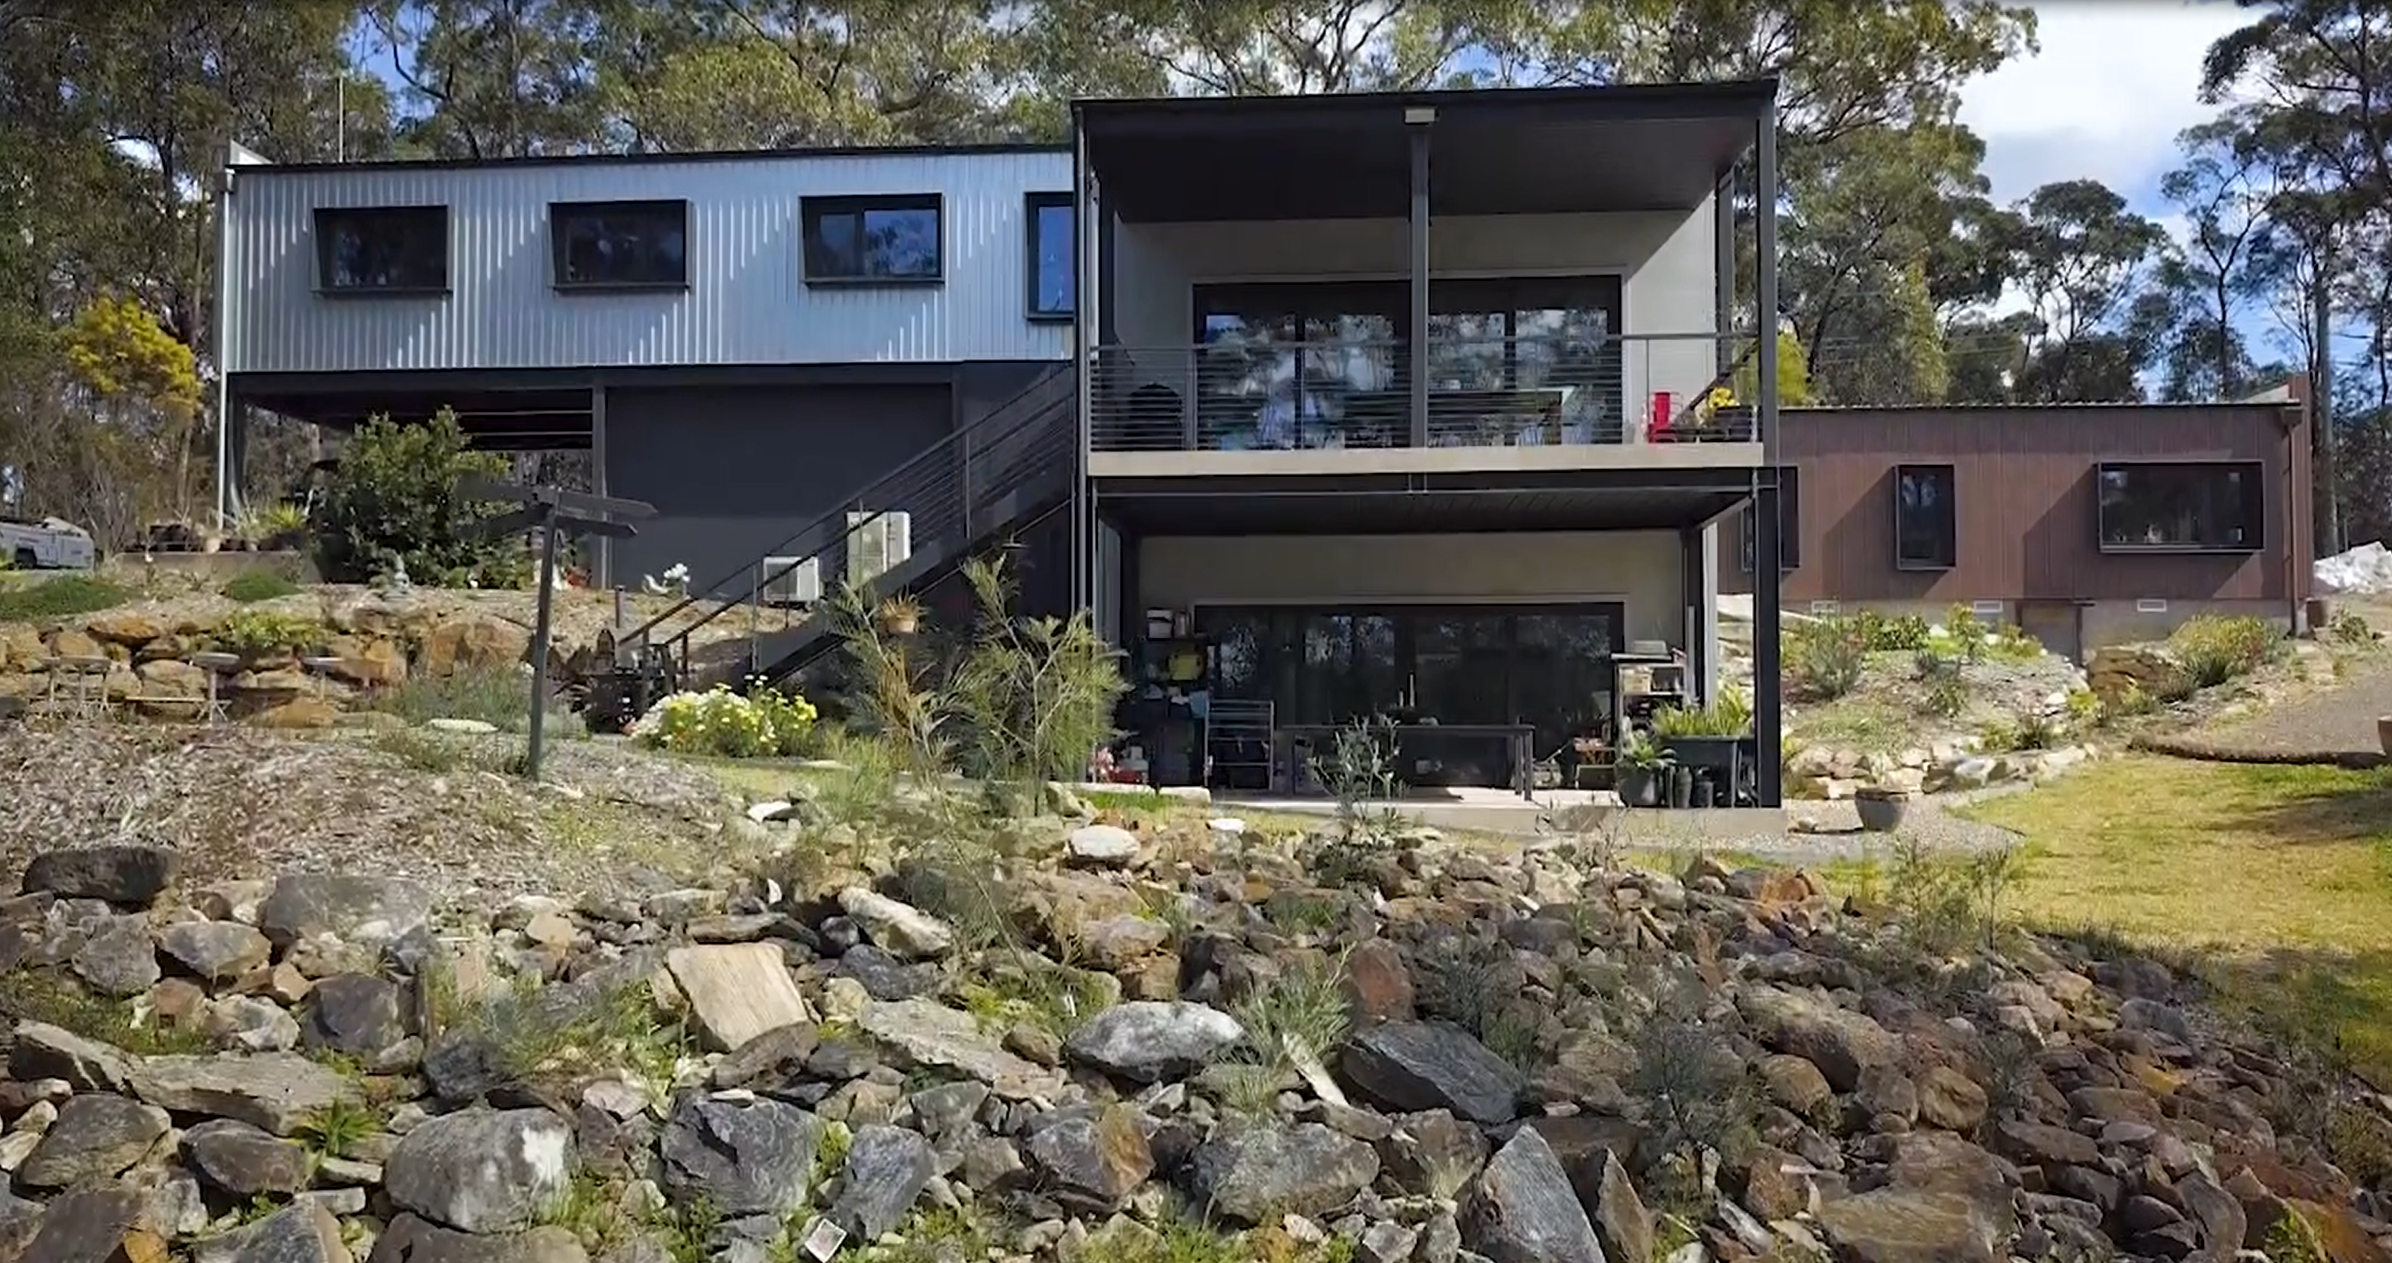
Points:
(428, 806)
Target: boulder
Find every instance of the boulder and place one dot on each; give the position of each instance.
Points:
(482, 1170)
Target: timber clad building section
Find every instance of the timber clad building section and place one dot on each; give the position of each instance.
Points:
(2085, 524)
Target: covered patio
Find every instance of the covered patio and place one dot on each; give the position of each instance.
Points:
(1517, 268)
(1515, 625)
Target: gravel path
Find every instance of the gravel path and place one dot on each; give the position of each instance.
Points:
(1829, 832)
(2336, 720)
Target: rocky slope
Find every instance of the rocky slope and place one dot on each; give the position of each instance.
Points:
(1131, 1049)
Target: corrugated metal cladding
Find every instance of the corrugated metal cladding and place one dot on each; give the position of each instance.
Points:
(2025, 499)
(747, 302)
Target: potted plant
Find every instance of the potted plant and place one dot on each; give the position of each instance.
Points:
(900, 615)
(1643, 764)
(1881, 807)
(1712, 736)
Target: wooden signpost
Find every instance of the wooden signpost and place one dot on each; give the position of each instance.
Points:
(553, 512)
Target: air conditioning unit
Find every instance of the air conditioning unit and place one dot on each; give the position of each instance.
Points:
(792, 581)
(877, 543)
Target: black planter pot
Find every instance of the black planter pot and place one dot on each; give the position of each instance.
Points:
(1730, 760)
(1640, 786)
(1681, 787)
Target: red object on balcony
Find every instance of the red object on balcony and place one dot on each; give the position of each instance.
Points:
(1657, 420)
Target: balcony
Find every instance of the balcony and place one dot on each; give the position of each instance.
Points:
(1547, 401)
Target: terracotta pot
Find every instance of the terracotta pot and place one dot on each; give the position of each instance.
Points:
(900, 624)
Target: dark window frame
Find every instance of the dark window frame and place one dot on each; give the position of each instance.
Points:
(1511, 687)
(1789, 517)
(329, 218)
(1944, 540)
(1033, 205)
(2253, 509)
(812, 210)
(561, 214)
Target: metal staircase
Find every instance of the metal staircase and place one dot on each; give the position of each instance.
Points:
(906, 530)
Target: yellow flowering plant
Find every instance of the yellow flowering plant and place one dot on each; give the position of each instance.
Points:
(764, 723)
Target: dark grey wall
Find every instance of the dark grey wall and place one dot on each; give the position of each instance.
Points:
(734, 470)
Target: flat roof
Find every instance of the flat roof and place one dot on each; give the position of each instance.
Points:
(652, 159)
(1631, 147)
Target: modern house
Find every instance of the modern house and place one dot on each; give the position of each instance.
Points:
(1423, 405)
(2083, 524)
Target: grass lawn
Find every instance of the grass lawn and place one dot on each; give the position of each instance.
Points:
(2275, 883)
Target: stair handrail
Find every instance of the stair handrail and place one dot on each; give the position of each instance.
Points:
(1017, 411)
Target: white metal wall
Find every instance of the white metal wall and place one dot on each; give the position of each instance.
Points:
(747, 302)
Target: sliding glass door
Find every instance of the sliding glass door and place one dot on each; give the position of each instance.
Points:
(1542, 665)
(1304, 364)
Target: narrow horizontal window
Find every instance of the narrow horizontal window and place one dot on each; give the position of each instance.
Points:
(2182, 506)
(382, 249)
(619, 245)
(874, 240)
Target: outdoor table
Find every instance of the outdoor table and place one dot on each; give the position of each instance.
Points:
(217, 665)
(86, 685)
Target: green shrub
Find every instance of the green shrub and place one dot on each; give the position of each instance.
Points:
(2215, 648)
(258, 585)
(497, 696)
(1907, 632)
(62, 597)
(394, 501)
(262, 633)
(1824, 658)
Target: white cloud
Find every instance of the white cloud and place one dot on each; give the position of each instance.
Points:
(2106, 96)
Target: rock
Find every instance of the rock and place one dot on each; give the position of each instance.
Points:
(1795, 1084)
(1378, 985)
(217, 951)
(1094, 1161)
(1621, 1222)
(370, 910)
(745, 1154)
(481, 1170)
(97, 1137)
(1147, 1041)
(737, 991)
(774, 1055)
(1839, 1042)
(1950, 1100)
(1412, 1066)
(357, 1014)
(887, 1169)
(471, 643)
(119, 958)
(275, 1091)
(898, 928)
(86, 1226)
(927, 1033)
(1523, 1209)
(245, 1161)
(302, 1232)
(1908, 1225)
(410, 1239)
(41, 1051)
(118, 874)
(1102, 846)
(1255, 1175)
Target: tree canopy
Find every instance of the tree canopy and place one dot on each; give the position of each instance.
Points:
(1904, 280)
